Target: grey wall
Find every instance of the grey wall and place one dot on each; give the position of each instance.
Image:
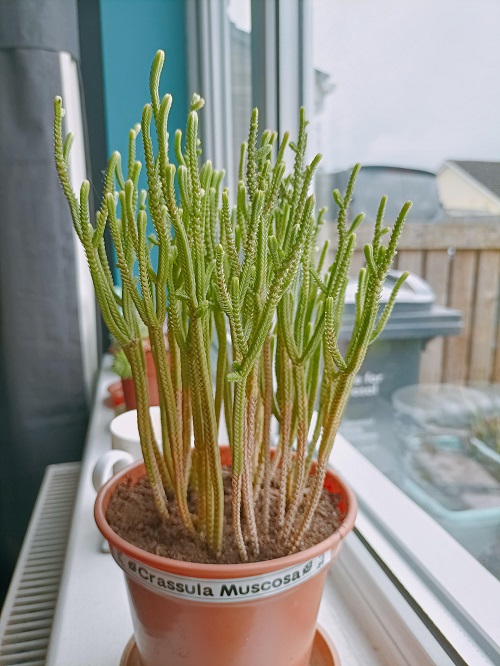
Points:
(43, 412)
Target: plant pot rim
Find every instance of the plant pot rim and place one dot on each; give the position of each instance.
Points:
(215, 571)
(324, 650)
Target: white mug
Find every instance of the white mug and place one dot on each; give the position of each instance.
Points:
(125, 433)
(125, 443)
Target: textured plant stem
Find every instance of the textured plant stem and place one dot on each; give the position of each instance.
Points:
(176, 372)
(172, 433)
(134, 354)
(249, 442)
(202, 375)
(238, 458)
(340, 397)
(285, 433)
(237, 483)
(209, 503)
(258, 458)
(199, 444)
(160, 462)
(201, 483)
(298, 471)
(166, 439)
(324, 408)
(222, 369)
(266, 430)
(186, 421)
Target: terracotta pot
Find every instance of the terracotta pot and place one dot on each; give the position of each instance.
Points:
(116, 394)
(128, 384)
(188, 614)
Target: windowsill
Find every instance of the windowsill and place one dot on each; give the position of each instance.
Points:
(367, 617)
(449, 586)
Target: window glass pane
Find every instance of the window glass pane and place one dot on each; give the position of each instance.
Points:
(408, 89)
(240, 28)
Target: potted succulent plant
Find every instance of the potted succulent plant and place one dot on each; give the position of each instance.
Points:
(225, 548)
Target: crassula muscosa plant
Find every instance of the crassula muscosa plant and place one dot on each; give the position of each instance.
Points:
(251, 312)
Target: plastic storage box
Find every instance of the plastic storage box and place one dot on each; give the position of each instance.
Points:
(452, 475)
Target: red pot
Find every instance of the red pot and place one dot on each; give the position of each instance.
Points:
(188, 614)
(116, 394)
(128, 384)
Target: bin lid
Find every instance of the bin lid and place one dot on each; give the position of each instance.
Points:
(414, 314)
(443, 405)
(415, 293)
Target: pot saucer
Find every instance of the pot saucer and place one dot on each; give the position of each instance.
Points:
(323, 652)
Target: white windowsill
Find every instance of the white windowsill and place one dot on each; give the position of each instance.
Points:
(455, 591)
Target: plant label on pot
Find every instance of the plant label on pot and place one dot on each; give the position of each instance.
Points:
(219, 590)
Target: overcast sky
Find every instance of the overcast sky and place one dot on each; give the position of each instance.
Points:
(416, 81)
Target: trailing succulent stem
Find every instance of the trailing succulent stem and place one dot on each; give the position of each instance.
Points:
(242, 284)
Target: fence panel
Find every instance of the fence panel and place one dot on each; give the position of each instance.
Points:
(460, 259)
(484, 318)
(461, 297)
(437, 274)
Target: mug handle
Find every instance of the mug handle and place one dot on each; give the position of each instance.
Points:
(105, 466)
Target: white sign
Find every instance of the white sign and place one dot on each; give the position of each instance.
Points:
(220, 591)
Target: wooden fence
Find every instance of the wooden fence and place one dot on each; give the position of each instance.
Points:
(460, 259)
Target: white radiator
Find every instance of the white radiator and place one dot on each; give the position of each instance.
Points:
(26, 620)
